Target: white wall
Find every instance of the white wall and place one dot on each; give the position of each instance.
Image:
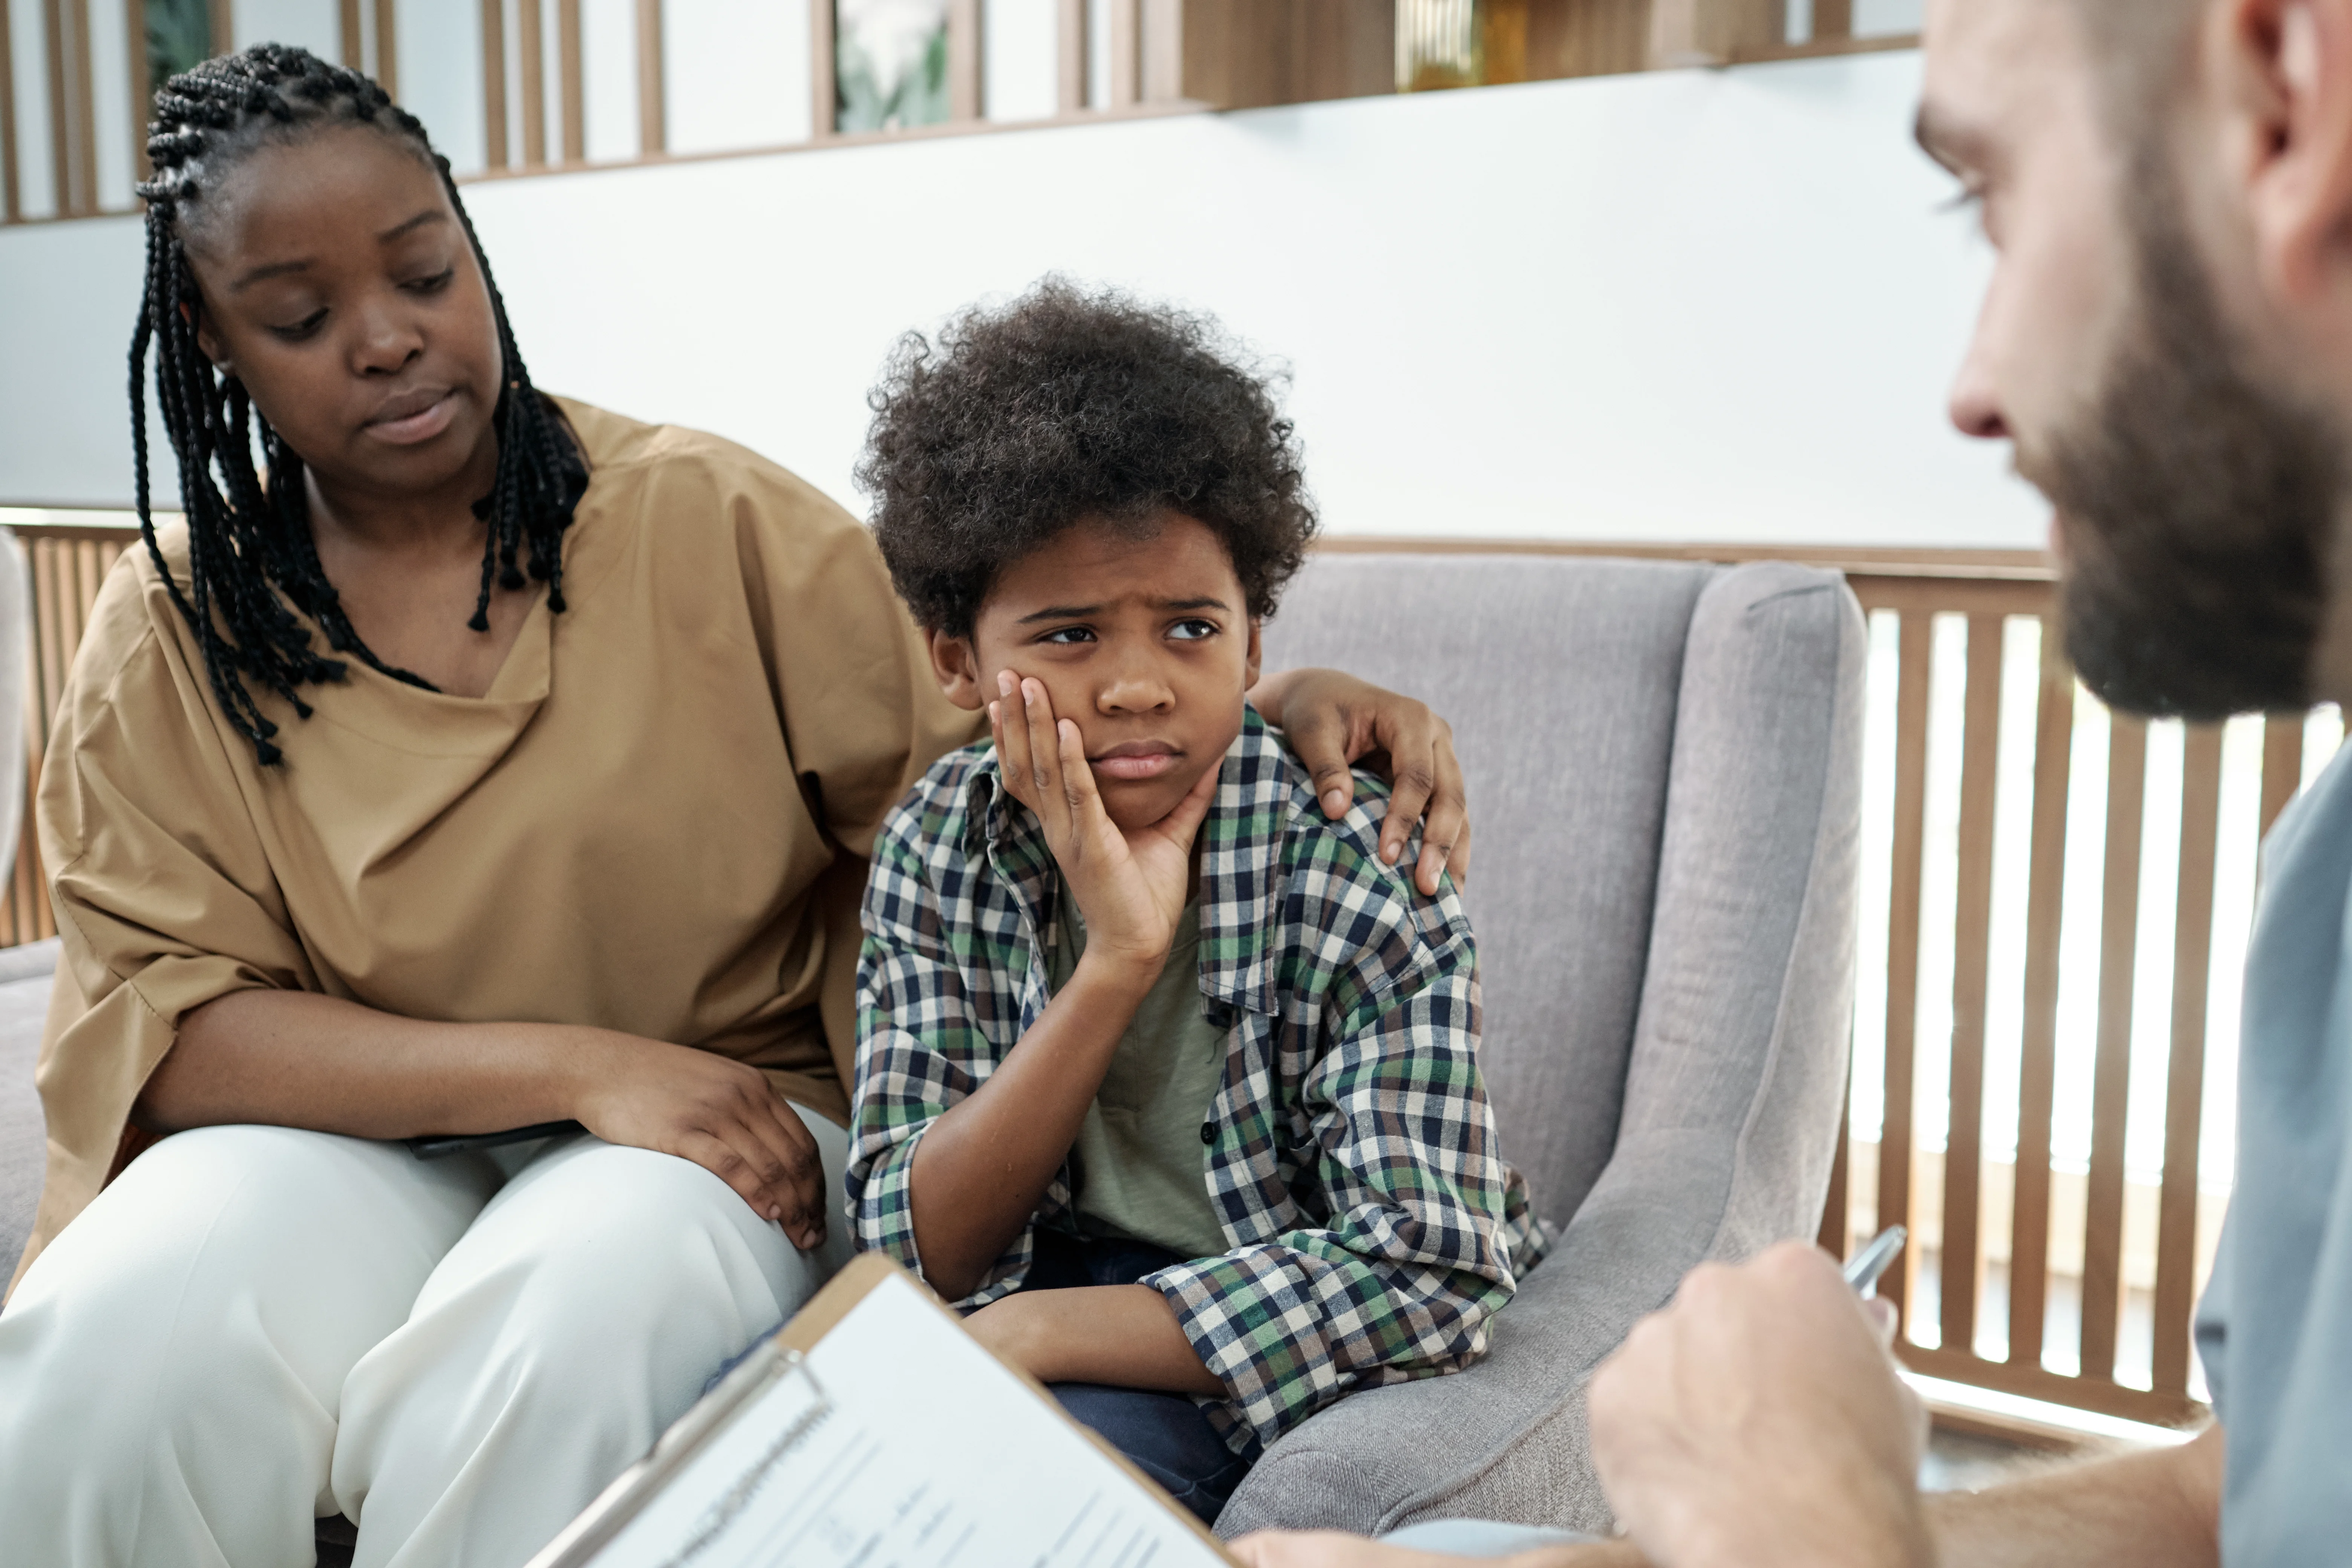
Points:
(1703, 306)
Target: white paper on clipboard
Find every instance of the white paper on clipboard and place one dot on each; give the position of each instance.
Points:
(877, 1434)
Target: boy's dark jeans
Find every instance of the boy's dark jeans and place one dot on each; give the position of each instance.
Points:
(1165, 1435)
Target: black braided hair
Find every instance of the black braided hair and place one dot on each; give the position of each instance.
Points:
(249, 538)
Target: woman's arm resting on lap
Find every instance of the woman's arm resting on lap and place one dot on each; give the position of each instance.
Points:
(1332, 720)
(293, 1059)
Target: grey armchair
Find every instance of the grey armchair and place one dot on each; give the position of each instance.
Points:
(1664, 764)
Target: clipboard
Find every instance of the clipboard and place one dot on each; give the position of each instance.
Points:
(874, 1428)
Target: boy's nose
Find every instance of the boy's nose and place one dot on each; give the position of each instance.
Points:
(1135, 692)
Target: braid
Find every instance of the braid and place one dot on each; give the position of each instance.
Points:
(250, 551)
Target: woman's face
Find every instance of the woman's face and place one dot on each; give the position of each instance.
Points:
(338, 286)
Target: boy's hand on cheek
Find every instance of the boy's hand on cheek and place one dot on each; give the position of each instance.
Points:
(1130, 886)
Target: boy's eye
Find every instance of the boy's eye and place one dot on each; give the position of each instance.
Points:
(302, 329)
(1192, 630)
(1068, 634)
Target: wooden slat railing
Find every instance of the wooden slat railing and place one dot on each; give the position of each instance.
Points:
(1946, 1199)
(65, 565)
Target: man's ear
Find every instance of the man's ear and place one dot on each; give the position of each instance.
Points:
(1256, 656)
(956, 665)
(2291, 80)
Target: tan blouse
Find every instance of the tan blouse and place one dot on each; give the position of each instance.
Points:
(653, 822)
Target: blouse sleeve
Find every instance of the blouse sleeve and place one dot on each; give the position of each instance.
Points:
(863, 713)
(163, 896)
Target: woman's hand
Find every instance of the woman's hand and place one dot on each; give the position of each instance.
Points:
(1131, 887)
(1334, 720)
(722, 1114)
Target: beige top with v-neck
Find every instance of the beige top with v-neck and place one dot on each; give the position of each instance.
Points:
(652, 821)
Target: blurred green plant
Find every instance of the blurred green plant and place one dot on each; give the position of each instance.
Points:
(889, 64)
(179, 36)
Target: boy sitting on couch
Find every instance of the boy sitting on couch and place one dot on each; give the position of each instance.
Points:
(1167, 1080)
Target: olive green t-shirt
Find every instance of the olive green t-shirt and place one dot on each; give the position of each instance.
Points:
(1140, 1162)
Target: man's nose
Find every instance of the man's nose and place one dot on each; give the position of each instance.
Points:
(1975, 404)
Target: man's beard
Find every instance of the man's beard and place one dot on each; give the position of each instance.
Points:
(2199, 506)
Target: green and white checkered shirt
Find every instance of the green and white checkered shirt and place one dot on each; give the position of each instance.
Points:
(1373, 1229)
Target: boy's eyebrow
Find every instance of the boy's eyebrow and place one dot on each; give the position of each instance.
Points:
(1080, 612)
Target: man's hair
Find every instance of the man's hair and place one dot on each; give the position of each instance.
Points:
(1072, 405)
(2141, 50)
(249, 540)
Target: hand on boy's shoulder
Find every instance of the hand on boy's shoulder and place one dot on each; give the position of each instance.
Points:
(1356, 836)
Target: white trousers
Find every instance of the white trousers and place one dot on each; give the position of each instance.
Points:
(256, 1327)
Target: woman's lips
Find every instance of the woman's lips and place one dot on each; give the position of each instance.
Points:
(408, 429)
(1132, 766)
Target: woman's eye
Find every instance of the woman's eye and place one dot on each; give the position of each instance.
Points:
(435, 284)
(303, 328)
(1064, 635)
(1192, 630)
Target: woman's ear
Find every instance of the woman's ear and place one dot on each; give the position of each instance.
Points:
(207, 339)
(1256, 656)
(956, 665)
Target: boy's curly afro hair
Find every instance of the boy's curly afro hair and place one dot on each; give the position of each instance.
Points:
(1070, 406)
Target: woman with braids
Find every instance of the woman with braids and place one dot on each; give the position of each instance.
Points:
(472, 760)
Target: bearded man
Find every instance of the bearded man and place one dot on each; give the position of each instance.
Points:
(2167, 344)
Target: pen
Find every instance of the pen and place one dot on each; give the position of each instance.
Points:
(1862, 1270)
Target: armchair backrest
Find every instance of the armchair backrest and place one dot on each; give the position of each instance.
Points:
(1622, 721)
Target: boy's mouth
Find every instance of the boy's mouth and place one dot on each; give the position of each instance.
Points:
(1131, 761)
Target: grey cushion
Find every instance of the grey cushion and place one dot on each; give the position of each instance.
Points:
(25, 975)
(23, 972)
(1665, 778)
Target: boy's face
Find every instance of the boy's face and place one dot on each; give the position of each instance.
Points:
(1146, 644)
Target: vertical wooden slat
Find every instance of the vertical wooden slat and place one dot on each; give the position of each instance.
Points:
(12, 192)
(1833, 19)
(1972, 935)
(1915, 649)
(2103, 1241)
(1070, 73)
(2281, 764)
(533, 27)
(1126, 53)
(222, 29)
(134, 60)
(573, 70)
(387, 48)
(965, 41)
(825, 92)
(54, 34)
(653, 103)
(2053, 756)
(350, 39)
(84, 111)
(494, 83)
(2184, 1093)
(1833, 1234)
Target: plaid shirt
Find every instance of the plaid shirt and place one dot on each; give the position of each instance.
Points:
(1373, 1229)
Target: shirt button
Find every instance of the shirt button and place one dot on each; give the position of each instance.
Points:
(1208, 1133)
